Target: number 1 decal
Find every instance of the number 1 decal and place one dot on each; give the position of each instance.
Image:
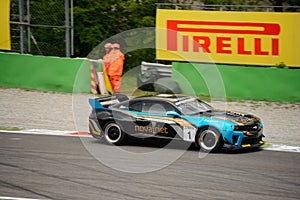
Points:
(189, 133)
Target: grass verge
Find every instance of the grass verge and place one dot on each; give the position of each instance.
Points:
(10, 128)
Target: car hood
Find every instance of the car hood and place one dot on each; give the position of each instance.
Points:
(219, 116)
(238, 118)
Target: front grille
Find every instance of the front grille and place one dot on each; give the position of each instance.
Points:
(251, 140)
(253, 127)
(249, 130)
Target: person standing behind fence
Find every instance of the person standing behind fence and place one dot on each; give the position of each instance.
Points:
(104, 85)
(115, 68)
(108, 54)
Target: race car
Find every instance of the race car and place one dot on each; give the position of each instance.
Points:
(182, 117)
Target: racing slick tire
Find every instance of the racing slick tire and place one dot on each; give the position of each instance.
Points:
(209, 140)
(114, 134)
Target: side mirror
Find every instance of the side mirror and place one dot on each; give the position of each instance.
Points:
(173, 114)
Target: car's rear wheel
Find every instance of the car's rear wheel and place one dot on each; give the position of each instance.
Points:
(114, 134)
(209, 140)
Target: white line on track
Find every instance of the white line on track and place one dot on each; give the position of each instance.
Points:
(48, 132)
(16, 198)
(279, 147)
(273, 147)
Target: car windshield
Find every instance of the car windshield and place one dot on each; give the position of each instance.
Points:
(193, 106)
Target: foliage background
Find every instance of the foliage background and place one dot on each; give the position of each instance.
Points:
(97, 20)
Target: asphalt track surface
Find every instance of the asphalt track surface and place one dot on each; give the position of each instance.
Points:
(57, 167)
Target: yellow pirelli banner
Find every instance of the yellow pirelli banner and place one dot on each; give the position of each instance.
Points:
(259, 38)
(4, 25)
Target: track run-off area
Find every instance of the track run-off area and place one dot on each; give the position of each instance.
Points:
(270, 147)
(41, 164)
(38, 162)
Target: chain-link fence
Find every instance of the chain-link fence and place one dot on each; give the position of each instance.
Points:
(45, 27)
(42, 27)
(261, 7)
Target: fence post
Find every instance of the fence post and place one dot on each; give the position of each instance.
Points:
(21, 20)
(67, 24)
(28, 27)
(72, 28)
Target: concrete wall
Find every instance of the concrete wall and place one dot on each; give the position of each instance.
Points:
(44, 73)
(73, 75)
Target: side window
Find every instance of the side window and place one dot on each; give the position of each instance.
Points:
(136, 107)
(156, 107)
(122, 106)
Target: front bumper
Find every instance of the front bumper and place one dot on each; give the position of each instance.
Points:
(247, 138)
(243, 146)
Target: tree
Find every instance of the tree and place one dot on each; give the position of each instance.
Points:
(285, 3)
(96, 21)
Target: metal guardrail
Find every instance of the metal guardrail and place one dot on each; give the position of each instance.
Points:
(255, 8)
(163, 70)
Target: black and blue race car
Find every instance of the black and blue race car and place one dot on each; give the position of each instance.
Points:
(174, 117)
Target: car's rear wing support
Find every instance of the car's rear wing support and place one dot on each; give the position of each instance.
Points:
(95, 104)
(104, 102)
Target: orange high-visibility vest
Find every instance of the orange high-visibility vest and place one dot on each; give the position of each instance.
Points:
(115, 67)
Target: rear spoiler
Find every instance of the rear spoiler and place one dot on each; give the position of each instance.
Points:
(105, 102)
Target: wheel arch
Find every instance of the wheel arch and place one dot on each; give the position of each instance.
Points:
(122, 139)
(208, 126)
(200, 129)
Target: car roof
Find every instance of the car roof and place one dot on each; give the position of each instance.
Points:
(173, 98)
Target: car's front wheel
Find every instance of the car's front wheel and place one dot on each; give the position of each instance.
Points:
(209, 140)
(114, 134)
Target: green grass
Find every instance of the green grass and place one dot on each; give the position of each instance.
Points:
(10, 128)
(266, 145)
(281, 143)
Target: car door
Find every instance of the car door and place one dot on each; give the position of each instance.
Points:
(152, 119)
